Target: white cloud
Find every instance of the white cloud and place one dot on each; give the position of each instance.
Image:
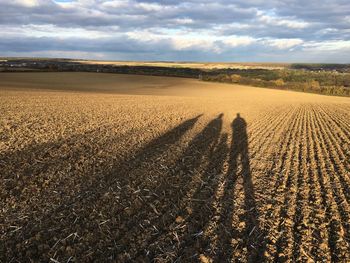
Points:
(236, 41)
(283, 43)
(145, 36)
(280, 21)
(27, 3)
(184, 40)
(184, 43)
(331, 45)
(55, 31)
(70, 54)
(178, 40)
(116, 4)
(151, 6)
(183, 21)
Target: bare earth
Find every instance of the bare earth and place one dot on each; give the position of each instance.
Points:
(118, 168)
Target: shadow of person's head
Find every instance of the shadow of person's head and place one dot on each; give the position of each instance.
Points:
(238, 121)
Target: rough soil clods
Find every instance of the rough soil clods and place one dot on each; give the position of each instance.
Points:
(212, 173)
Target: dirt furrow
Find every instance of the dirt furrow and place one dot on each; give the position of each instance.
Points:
(317, 224)
(285, 241)
(330, 199)
(339, 139)
(340, 193)
(269, 159)
(339, 123)
(301, 244)
(280, 169)
(342, 112)
(339, 161)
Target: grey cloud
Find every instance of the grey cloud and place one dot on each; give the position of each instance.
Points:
(117, 44)
(123, 48)
(202, 14)
(131, 16)
(324, 21)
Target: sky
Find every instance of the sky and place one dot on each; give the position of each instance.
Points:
(171, 30)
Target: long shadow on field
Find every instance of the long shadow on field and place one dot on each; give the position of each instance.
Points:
(142, 211)
(181, 184)
(80, 214)
(202, 206)
(238, 155)
(189, 203)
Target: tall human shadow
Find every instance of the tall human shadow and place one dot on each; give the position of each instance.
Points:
(87, 196)
(172, 194)
(239, 154)
(203, 209)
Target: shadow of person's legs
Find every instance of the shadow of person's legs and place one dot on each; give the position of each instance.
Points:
(203, 204)
(239, 155)
(81, 209)
(252, 232)
(174, 191)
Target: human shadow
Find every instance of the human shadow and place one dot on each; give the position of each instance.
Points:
(239, 155)
(100, 210)
(197, 212)
(203, 206)
(172, 198)
(73, 211)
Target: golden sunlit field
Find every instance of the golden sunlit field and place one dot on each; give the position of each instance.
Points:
(198, 65)
(127, 168)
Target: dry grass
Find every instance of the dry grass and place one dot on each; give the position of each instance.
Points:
(135, 168)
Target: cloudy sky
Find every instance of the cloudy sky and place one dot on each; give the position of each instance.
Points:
(192, 30)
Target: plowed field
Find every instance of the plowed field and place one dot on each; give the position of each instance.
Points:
(113, 168)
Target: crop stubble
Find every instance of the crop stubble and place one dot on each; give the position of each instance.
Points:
(90, 175)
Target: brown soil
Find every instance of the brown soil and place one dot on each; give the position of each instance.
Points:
(114, 168)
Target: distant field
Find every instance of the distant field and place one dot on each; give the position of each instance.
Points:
(207, 65)
(128, 168)
(328, 79)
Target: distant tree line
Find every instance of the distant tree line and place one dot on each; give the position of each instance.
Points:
(320, 66)
(330, 79)
(323, 82)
